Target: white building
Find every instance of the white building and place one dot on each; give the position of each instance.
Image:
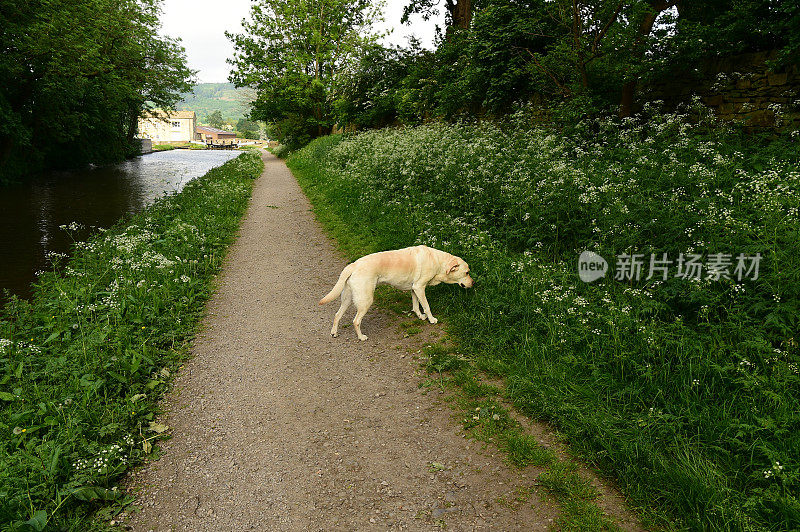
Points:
(172, 126)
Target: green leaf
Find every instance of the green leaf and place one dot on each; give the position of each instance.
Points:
(117, 376)
(158, 428)
(38, 521)
(52, 337)
(5, 396)
(95, 493)
(54, 461)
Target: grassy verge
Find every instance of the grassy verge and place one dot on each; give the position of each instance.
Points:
(687, 390)
(164, 147)
(486, 418)
(83, 364)
(186, 145)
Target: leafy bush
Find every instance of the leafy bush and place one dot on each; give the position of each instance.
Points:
(83, 364)
(687, 390)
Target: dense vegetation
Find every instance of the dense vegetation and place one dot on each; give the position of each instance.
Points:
(74, 78)
(290, 51)
(84, 363)
(314, 64)
(223, 106)
(686, 390)
(571, 58)
(205, 98)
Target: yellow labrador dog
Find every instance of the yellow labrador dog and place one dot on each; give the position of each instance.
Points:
(411, 268)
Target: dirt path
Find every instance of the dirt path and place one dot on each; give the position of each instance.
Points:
(278, 426)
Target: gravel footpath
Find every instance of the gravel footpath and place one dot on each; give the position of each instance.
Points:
(278, 426)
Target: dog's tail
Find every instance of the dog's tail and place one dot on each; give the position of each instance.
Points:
(339, 286)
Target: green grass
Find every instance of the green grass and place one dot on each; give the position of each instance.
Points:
(164, 147)
(486, 419)
(84, 363)
(687, 391)
(183, 146)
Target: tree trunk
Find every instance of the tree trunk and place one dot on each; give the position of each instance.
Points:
(577, 30)
(626, 101)
(462, 14)
(6, 144)
(645, 27)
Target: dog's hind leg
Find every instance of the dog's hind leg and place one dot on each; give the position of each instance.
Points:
(363, 300)
(415, 306)
(347, 297)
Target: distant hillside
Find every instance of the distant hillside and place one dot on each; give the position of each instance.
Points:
(206, 98)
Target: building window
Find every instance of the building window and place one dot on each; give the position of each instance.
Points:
(176, 125)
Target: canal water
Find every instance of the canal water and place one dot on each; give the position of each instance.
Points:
(31, 212)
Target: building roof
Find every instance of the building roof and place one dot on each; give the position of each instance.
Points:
(209, 129)
(166, 115)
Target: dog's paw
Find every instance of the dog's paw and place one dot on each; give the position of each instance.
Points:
(433, 320)
(423, 317)
(363, 337)
(335, 334)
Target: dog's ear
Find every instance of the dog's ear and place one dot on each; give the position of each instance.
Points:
(452, 265)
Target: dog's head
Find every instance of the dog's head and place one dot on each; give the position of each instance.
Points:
(457, 271)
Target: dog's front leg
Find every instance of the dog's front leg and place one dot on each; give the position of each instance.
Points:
(419, 291)
(415, 306)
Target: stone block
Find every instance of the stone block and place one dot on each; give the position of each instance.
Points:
(759, 118)
(778, 79)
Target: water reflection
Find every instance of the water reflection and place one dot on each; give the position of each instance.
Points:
(31, 213)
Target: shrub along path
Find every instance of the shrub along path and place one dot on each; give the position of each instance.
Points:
(277, 426)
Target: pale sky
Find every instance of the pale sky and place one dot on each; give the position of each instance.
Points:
(201, 25)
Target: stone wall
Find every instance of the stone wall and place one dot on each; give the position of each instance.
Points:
(741, 88)
(146, 146)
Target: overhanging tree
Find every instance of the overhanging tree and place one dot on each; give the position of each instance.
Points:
(290, 52)
(75, 76)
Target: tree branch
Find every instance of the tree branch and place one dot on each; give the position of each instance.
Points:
(564, 90)
(599, 36)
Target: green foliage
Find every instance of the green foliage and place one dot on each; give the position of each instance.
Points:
(215, 119)
(83, 364)
(489, 421)
(291, 51)
(75, 77)
(183, 146)
(384, 86)
(729, 27)
(164, 147)
(206, 98)
(571, 59)
(247, 129)
(687, 391)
